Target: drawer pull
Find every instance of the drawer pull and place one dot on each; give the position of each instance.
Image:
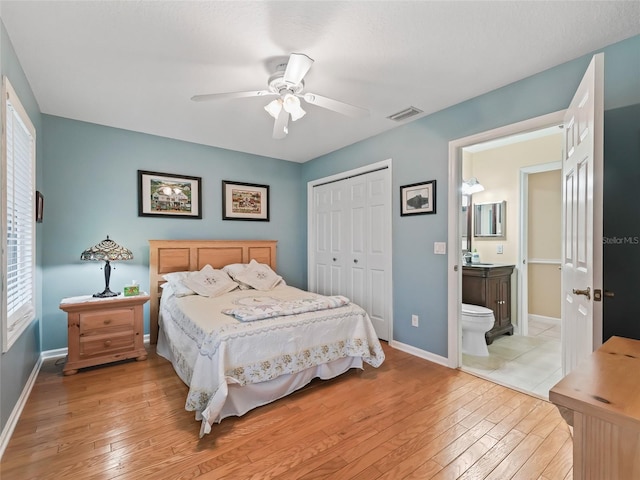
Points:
(107, 343)
(107, 321)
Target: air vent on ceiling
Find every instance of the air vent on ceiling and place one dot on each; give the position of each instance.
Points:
(404, 114)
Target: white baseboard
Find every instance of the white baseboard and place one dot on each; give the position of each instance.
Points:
(58, 353)
(543, 319)
(417, 352)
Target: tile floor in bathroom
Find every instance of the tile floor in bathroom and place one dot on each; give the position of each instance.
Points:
(531, 364)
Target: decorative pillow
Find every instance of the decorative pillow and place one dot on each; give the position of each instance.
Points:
(259, 276)
(210, 282)
(233, 270)
(176, 279)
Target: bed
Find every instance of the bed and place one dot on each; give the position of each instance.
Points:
(270, 342)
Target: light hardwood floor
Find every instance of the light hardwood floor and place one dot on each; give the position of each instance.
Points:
(407, 419)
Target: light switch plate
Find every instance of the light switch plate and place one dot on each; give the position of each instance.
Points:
(440, 248)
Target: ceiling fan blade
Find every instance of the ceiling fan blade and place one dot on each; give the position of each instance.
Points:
(281, 125)
(335, 105)
(220, 96)
(297, 67)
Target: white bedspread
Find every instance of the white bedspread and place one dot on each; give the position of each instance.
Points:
(210, 350)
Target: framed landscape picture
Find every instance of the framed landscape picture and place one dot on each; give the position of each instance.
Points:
(245, 201)
(169, 195)
(418, 198)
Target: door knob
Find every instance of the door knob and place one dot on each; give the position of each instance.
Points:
(334, 259)
(355, 260)
(586, 293)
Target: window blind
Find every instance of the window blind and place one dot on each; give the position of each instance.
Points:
(19, 219)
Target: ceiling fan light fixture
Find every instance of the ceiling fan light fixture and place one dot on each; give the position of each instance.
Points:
(274, 107)
(291, 104)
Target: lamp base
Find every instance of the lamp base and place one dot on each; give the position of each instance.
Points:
(106, 294)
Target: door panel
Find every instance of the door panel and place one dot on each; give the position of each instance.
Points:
(582, 169)
(328, 219)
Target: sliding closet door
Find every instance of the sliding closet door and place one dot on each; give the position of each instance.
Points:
(352, 243)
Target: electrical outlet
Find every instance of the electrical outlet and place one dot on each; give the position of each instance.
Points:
(499, 249)
(414, 320)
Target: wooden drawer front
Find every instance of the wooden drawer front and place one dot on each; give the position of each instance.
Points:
(103, 321)
(95, 345)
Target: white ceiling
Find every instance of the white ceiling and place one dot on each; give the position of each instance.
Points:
(136, 64)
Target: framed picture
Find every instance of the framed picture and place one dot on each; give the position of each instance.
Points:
(39, 207)
(418, 198)
(169, 195)
(245, 201)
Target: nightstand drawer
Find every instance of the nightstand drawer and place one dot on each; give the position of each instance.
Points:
(106, 344)
(112, 320)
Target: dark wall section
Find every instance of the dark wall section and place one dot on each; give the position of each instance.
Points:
(621, 235)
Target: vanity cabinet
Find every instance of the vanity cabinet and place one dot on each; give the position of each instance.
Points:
(490, 286)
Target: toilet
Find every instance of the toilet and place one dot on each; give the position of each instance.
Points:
(476, 321)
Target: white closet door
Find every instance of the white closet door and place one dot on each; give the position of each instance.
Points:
(352, 254)
(378, 249)
(356, 239)
(329, 246)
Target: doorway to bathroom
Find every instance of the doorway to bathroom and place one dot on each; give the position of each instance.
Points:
(530, 359)
(582, 172)
(520, 174)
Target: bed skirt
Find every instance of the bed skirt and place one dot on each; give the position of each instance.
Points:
(241, 399)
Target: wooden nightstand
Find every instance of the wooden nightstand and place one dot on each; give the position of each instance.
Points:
(103, 330)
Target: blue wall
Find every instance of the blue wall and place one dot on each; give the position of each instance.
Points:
(88, 176)
(91, 174)
(420, 152)
(17, 364)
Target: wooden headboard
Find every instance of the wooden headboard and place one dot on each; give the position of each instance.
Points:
(167, 256)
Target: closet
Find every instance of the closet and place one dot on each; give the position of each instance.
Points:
(350, 242)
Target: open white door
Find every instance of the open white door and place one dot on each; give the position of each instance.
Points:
(582, 170)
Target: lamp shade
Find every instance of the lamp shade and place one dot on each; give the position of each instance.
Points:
(107, 251)
(291, 104)
(274, 108)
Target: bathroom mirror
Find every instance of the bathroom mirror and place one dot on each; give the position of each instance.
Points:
(489, 219)
(465, 223)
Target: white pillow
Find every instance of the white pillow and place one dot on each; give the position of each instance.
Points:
(233, 270)
(176, 279)
(259, 276)
(210, 282)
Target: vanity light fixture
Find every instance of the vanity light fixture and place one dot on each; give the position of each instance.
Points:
(471, 186)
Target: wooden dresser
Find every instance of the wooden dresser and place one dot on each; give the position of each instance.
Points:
(490, 286)
(601, 400)
(103, 330)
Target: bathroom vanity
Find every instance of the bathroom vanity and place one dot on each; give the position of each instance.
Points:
(489, 285)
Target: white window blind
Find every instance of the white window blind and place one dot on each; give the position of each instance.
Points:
(18, 218)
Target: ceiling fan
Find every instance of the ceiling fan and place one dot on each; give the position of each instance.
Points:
(287, 84)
